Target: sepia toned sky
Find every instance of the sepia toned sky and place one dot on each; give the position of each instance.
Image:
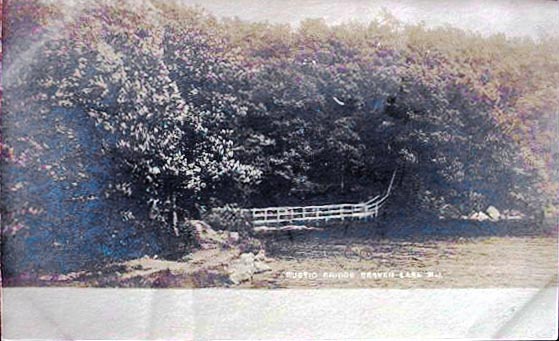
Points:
(515, 18)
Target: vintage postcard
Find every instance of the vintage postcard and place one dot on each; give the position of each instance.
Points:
(401, 154)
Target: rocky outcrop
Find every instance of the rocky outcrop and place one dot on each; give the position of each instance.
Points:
(246, 266)
(208, 238)
(252, 259)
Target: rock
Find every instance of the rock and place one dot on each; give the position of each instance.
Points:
(493, 213)
(240, 273)
(260, 261)
(482, 216)
(261, 267)
(247, 258)
(246, 266)
(58, 277)
(46, 278)
(234, 237)
(479, 216)
(512, 215)
(208, 238)
(242, 269)
(261, 256)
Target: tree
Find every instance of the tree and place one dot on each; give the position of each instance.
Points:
(168, 151)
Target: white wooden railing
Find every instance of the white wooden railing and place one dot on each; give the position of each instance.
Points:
(301, 214)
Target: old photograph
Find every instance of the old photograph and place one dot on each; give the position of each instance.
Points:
(274, 145)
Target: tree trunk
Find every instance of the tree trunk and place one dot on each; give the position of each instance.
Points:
(342, 179)
(175, 216)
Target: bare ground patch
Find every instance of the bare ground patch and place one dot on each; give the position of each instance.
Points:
(340, 258)
(385, 263)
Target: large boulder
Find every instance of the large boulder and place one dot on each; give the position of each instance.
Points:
(493, 213)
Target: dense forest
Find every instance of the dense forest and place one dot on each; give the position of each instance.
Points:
(122, 122)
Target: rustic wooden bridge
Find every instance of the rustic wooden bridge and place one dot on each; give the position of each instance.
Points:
(304, 214)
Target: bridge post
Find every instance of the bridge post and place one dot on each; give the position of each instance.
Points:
(391, 183)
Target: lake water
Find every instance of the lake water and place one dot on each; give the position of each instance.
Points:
(515, 18)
